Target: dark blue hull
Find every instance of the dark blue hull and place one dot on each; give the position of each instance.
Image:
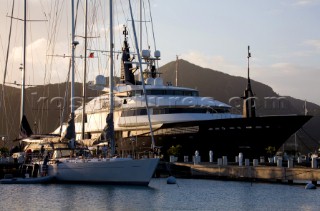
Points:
(225, 137)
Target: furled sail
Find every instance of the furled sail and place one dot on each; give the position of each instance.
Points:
(25, 129)
(109, 128)
(70, 131)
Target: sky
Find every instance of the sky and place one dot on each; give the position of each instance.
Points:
(284, 37)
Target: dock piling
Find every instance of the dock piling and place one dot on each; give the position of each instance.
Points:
(210, 156)
(314, 163)
(240, 158)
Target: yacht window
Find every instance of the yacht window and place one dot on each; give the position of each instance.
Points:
(135, 93)
(195, 93)
(178, 92)
(156, 92)
(169, 92)
(157, 111)
(164, 92)
(134, 112)
(187, 93)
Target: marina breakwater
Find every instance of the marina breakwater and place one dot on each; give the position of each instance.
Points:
(266, 173)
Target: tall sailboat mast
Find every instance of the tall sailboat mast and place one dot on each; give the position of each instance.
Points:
(23, 69)
(25, 129)
(140, 24)
(84, 90)
(111, 104)
(74, 44)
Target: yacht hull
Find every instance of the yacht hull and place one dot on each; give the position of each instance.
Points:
(225, 137)
(109, 171)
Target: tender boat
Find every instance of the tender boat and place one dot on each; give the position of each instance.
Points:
(30, 180)
(29, 174)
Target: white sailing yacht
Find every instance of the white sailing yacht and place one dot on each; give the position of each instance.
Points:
(106, 170)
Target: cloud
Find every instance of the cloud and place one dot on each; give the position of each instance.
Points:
(306, 2)
(285, 69)
(284, 77)
(37, 46)
(216, 62)
(298, 81)
(313, 43)
(40, 64)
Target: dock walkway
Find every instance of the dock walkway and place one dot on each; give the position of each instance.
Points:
(260, 172)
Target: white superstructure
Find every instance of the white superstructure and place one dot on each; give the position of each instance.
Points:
(167, 104)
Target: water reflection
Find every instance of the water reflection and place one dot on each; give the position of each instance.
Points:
(187, 195)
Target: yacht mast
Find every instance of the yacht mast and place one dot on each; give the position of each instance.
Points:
(249, 103)
(111, 104)
(25, 129)
(140, 24)
(84, 90)
(74, 44)
(22, 107)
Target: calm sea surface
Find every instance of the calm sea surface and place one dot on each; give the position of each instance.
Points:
(189, 194)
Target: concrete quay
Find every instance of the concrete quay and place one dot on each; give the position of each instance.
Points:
(250, 173)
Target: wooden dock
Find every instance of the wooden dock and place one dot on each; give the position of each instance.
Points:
(249, 173)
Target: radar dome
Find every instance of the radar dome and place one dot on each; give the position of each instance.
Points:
(145, 54)
(157, 54)
(100, 80)
(158, 82)
(149, 81)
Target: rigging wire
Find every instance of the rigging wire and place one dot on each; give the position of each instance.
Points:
(52, 30)
(120, 40)
(8, 47)
(153, 34)
(309, 136)
(145, 23)
(154, 38)
(5, 73)
(62, 114)
(304, 144)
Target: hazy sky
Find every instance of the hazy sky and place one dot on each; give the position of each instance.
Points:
(284, 36)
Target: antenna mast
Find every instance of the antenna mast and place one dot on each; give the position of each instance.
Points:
(177, 66)
(249, 55)
(249, 103)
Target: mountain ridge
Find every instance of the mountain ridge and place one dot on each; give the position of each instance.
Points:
(223, 87)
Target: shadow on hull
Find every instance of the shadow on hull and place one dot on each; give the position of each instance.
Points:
(225, 137)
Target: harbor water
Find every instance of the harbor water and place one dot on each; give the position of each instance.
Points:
(187, 194)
